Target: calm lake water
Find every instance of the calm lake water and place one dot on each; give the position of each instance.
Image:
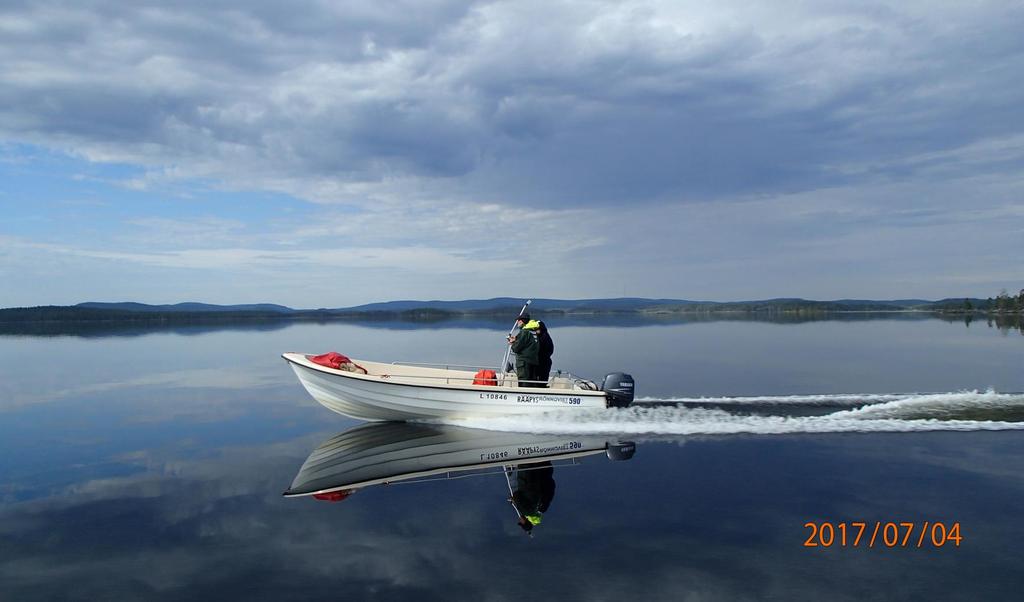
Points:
(146, 465)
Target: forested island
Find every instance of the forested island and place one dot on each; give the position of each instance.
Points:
(500, 307)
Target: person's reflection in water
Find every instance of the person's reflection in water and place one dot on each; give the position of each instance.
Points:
(535, 488)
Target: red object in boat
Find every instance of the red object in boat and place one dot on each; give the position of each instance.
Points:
(338, 362)
(485, 377)
(331, 360)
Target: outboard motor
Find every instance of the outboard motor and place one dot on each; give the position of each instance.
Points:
(618, 387)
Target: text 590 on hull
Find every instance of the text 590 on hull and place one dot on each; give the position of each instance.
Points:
(413, 391)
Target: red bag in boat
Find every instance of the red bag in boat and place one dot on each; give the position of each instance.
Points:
(485, 377)
(331, 360)
(337, 361)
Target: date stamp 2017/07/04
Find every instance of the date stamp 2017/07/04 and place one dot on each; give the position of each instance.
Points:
(882, 534)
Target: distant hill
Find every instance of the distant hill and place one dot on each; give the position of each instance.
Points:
(628, 304)
(185, 307)
(896, 303)
(504, 303)
(502, 307)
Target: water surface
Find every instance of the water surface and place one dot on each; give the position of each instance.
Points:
(148, 464)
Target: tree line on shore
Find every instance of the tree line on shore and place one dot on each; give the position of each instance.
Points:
(1003, 303)
(1008, 304)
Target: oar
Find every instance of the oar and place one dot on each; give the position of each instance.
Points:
(508, 350)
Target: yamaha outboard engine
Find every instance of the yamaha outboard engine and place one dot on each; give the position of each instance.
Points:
(618, 387)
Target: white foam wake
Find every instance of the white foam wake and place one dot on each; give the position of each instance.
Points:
(963, 411)
(804, 400)
(940, 406)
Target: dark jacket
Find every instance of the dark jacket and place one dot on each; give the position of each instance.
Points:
(545, 349)
(526, 347)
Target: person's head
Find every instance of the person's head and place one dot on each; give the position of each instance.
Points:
(525, 524)
(524, 318)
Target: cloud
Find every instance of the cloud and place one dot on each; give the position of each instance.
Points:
(417, 259)
(578, 149)
(537, 103)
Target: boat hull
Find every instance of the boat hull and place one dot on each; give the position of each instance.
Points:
(379, 397)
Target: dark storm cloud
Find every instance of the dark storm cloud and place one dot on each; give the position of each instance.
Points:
(540, 103)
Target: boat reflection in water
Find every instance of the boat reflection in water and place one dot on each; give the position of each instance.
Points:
(390, 452)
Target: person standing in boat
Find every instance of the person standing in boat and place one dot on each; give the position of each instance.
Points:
(545, 350)
(527, 349)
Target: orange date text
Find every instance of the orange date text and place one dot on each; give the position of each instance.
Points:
(880, 534)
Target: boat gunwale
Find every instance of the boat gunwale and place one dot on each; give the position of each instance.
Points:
(380, 379)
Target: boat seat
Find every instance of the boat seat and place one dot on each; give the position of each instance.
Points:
(560, 383)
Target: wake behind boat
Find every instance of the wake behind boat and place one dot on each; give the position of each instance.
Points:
(399, 391)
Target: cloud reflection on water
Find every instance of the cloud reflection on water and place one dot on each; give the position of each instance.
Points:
(719, 518)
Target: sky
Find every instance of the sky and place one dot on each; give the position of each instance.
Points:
(328, 154)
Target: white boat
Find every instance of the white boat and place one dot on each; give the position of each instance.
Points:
(382, 453)
(399, 391)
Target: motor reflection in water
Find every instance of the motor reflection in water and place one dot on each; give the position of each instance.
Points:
(390, 452)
